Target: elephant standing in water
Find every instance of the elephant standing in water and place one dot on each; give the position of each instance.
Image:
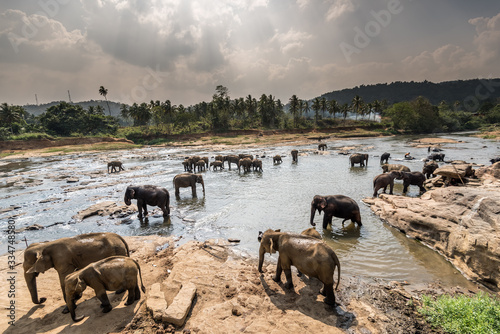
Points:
(231, 159)
(322, 147)
(188, 180)
(148, 195)
(385, 157)
(358, 158)
(66, 255)
(277, 159)
(295, 156)
(335, 206)
(114, 166)
(384, 180)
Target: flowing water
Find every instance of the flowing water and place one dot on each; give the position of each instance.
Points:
(236, 205)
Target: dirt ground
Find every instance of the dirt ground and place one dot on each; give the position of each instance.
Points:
(232, 296)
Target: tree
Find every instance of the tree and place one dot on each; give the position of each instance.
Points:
(10, 115)
(357, 105)
(316, 106)
(104, 92)
(294, 109)
(221, 108)
(333, 107)
(323, 106)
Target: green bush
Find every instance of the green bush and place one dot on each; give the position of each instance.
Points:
(479, 314)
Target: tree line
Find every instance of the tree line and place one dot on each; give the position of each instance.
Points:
(223, 113)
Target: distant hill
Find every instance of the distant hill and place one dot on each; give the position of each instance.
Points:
(449, 91)
(41, 108)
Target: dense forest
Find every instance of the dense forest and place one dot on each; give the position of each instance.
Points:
(382, 105)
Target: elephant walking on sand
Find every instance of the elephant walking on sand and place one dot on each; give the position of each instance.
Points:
(384, 180)
(413, 178)
(148, 195)
(335, 206)
(115, 273)
(358, 158)
(185, 180)
(66, 255)
(309, 255)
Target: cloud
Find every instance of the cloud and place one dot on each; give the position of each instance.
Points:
(291, 41)
(339, 8)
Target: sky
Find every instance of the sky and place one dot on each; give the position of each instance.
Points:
(181, 50)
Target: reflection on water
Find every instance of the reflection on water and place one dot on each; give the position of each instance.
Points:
(236, 204)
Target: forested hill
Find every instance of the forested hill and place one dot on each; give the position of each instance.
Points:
(449, 91)
(41, 108)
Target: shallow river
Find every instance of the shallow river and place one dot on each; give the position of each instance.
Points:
(236, 205)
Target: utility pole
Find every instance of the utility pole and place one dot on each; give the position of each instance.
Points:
(69, 96)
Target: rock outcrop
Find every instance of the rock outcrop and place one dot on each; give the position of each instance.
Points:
(462, 223)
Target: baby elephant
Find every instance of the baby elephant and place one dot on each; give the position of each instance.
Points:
(113, 273)
(116, 166)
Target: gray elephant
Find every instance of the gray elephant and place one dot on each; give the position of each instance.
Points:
(384, 180)
(413, 178)
(295, 156)
(335, 206)
(116, 166)
(115, 273)
(246, 163)
(436, 156)
(359, 158)
(187, 163)
(244, 155)
(277, 159)
(429, 168)
(148, 195)
(188, 180)
(494, 160)
(200, 165)
(397, 167)
(219, 157)
(385, 157)
(257, 165)
(66, 255)
(231, 159)
(322, 147)
(308, 254)
(217, 164)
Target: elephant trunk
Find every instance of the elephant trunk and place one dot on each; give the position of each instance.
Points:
(262, 252)
(31, 283)
(127, 200)
(203, 185)
(313, 212)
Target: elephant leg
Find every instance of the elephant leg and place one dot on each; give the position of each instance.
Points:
(176, 190)
(145, 208)
(277, 276)
(327, 219)
(385, 188)
(193, 190)
(100, 293)
(288, 275)
(139, 207)
(391, 187)
(62, 276)
(375, 192)
(422, 189)
(327, 291)
(137, 292)
(405, 187)
(131, 296)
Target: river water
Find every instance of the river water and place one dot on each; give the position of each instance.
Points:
(236, 205)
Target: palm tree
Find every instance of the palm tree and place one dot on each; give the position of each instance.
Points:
(357, 104)
(316, 106)
(103, 91)
(11, 114)
(323, 106)
(294, 109)
(333, 107)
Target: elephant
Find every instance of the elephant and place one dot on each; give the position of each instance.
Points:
(206, 161)
(390, 167)
(494, 160)
(110, 274)
(295, 156)
(335, 206)
(436, 156)
(231, 159)
(66, 255)
(217, 164)
(188, 162)
(200, 165)
(384, 180)
(308, 254)
(322, 147)
(358, 158)
(243, 156)
(277, 159)
(188, 180)
(114, 166)
(219, 157)
(246, 163)
(148, 195)
(385, 157)
(413, 178)
(429, 168)
(257, 165)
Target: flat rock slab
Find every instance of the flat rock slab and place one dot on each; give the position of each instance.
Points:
(177, 312)
(156, 303)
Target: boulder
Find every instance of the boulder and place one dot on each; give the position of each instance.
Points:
(177, 312)
(155, 302)
(103, 209)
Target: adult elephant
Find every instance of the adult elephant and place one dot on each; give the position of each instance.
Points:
(335, 206)
(66, 255)
(436, 156)
(185, 180)
(429, 168)
(257, 165)
(246, 163)
(384, 180)
(148, 195)
(217, 164)
(397, 167)
(200, 165)
(385, 157)
(358, 158)
(231, 159)
(322, 147)
(413, 178)
(295, 156)
(277, 159)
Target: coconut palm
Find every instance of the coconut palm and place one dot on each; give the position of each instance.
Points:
(10, 114)
(294, 109)
(357, 105)
(323, 106)
(103, 91)
(316, 106)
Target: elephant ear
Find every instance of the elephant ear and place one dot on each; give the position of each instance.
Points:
(80, 285)
(271, 246)
(42, 264)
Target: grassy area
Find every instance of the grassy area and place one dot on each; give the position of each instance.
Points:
(479, 314)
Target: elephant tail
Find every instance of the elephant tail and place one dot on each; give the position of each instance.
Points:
(125, 243)
(140, 275)
(337, 263)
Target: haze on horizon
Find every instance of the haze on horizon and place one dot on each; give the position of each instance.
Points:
(181, 50)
